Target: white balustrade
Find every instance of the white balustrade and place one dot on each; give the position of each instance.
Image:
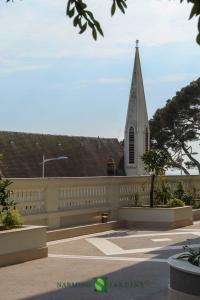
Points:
(77, 197)
(29, 201)
(134, 192)
(53, 197)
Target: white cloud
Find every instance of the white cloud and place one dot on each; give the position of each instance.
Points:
(10, 67)
(88, 83)
(173, 78)
(111, 80)
(168, 79)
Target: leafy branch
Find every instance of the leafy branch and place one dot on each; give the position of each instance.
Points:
(84, 18)
(195, 12)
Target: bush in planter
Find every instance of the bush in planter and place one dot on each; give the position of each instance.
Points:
(178, 193)
(175, 203)
(187, 199)
(11, 218)
(9, 215)
(191, 255)
(164, 194)
(196, 206)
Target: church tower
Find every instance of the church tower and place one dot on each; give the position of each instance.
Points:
(137, 134)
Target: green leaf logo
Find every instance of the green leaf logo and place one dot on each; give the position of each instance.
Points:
(100, 284)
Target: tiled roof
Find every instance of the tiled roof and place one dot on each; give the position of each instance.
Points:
(88, 156)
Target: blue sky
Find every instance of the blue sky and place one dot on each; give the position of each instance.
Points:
(53, 80)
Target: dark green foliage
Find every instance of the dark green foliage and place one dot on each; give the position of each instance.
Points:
(5, 193)
(191, 255)
(9, 215)
(187, 199)
(163, 194)
(182, 195)
(175, 203)
(155, 162)
(195, 12)
(178, 193)
(175, 125)
(84, 18)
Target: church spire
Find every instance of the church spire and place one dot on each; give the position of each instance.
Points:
(137, 129)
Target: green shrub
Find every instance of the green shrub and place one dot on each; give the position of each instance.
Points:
(196, 205)
(5, 201)
(175, 203)
(187, 199)
(178, 193)
(9, 215)
(191, 255)
(163, 194)
(11, 218)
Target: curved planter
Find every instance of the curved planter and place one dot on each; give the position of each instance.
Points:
(184, 280)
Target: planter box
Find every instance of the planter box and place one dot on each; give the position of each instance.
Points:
(184, 280)
(156, 217)
(196, 214)
(22, 244)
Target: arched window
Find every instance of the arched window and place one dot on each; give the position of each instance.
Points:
(131, 146)
(147, 139)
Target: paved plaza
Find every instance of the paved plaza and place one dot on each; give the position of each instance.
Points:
(123, 264)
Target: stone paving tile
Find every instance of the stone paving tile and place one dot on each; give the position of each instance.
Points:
(152, 254)
(146, 242)
(78, 247)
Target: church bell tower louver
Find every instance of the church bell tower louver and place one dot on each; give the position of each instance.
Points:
(137, 133)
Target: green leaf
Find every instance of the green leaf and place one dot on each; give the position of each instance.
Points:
(195, 10)
(76, 20)
(71, 12)
(124, 3)
(198, 39)
(120, 6)
(80, 23)
(84, 27)
(98, 27)
(183, 256)
(78, 5)
(90, 24)
(113, 8)
(82, 5)
(90, 14)
(94, 33)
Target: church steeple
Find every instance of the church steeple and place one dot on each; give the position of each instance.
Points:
(136, 140)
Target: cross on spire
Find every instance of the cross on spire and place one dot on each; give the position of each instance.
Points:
(137, 43)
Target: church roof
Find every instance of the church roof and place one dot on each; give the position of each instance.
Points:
(88, 156)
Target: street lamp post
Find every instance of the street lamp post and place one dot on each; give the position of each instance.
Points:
(50, 159)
